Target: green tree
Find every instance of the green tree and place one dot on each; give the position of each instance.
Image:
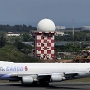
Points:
(26, 49)
(2, 41)
(27, 37)
(68, 48)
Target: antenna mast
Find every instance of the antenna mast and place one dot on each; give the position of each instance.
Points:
(73, 27)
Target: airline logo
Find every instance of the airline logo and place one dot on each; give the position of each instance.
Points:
(26, 68)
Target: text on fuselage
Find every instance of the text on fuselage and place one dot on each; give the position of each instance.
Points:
(18, 68)
(14, 68)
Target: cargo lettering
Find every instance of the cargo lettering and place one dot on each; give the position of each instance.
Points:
(15, 68)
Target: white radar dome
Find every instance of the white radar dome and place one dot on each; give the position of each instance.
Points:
(46, 25)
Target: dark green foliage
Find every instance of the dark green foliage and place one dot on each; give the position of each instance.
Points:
(10, 53)
(26, 49)
(2, 41)
(26, 37)
(16, 28)
(69, 48)
(78, 36)
(19, 45)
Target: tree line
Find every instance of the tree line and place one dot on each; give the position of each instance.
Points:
(78, 36)
(16, 28)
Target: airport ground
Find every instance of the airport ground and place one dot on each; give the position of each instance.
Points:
(52, 86)
(77, 84)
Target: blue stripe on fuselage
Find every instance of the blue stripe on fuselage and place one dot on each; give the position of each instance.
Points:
(4, 76)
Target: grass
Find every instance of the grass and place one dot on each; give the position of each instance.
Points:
(87, 79)
(7, 81)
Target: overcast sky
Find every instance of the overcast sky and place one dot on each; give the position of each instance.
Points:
(30, 12)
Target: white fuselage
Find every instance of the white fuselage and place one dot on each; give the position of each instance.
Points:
(44, 68)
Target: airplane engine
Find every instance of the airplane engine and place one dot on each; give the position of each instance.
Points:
(57, 78)
(27, 80)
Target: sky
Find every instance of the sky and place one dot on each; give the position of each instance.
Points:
(30, 12)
